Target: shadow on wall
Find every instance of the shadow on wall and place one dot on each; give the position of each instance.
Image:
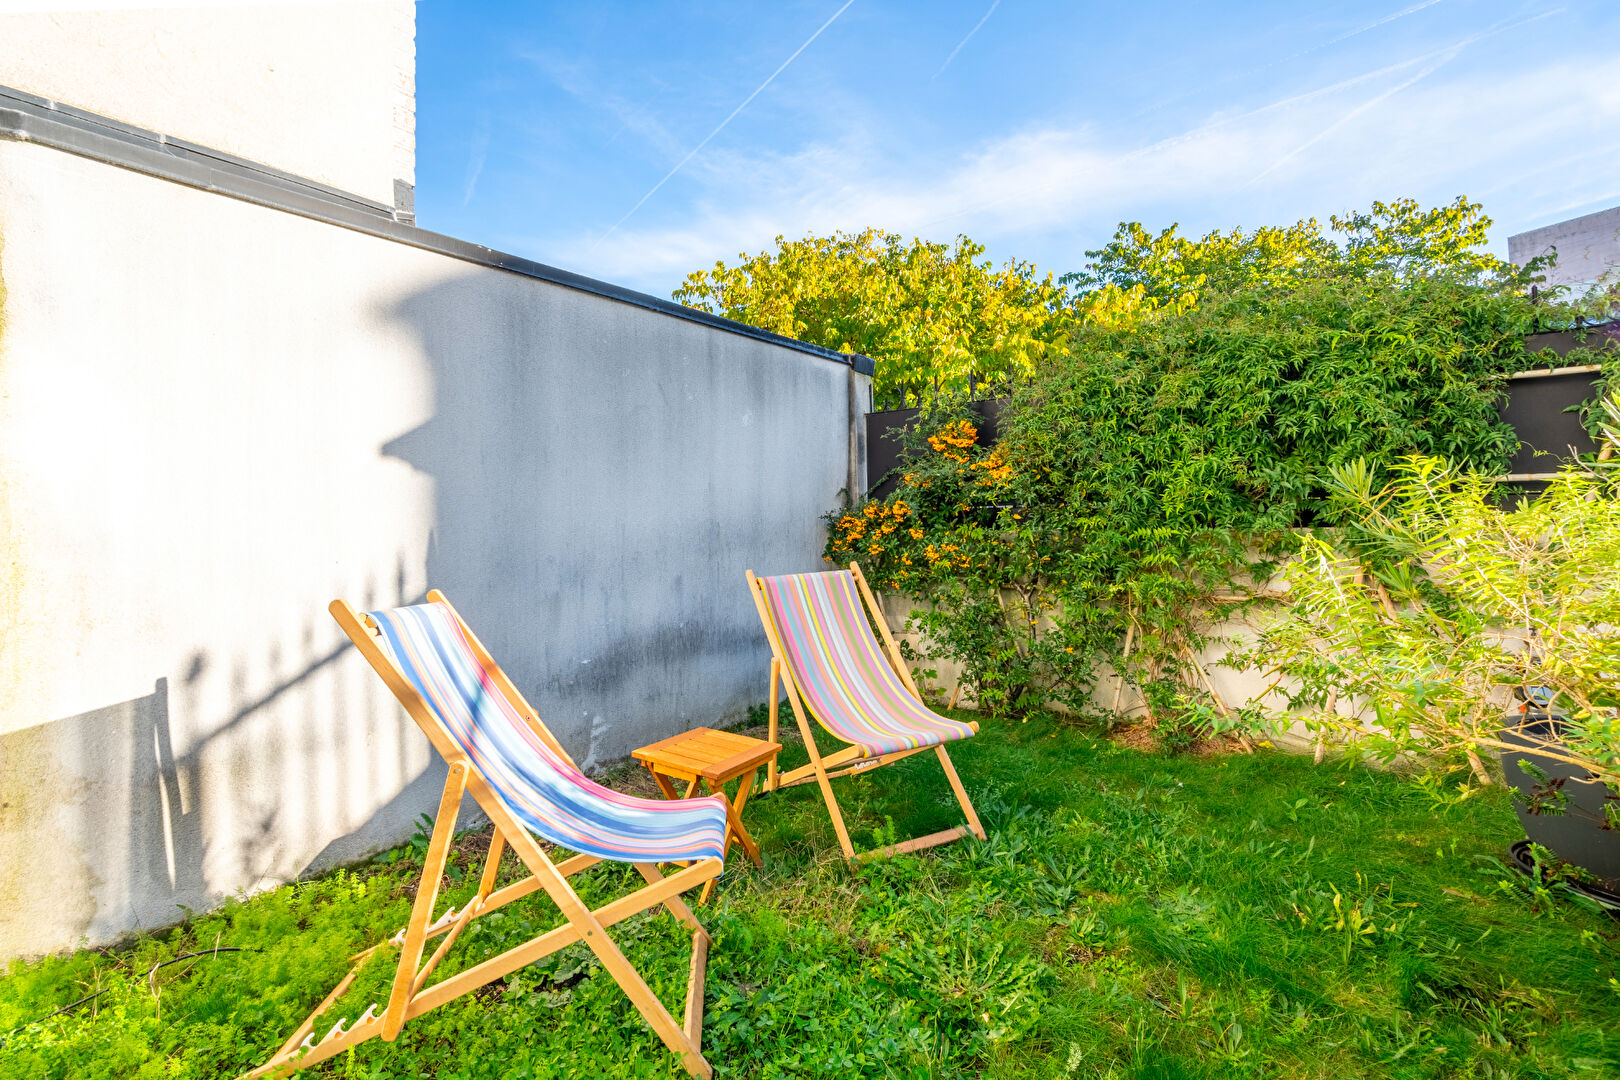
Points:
(137, 856)
(113, 821)
(589, 524)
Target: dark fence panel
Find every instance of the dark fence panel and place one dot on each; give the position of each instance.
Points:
(1543, 407)
(885, 445)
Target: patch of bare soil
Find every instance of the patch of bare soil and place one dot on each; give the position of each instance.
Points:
(1218, 745)
(1080, 955)
(472, 847)
(1143, 736)
(1139, 736)
(635, 779)
(786, 730)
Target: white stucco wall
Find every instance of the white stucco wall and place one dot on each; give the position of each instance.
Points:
(322, 90)
(1588, 247)
(215, 417)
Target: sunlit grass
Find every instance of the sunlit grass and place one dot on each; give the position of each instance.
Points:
(1131, 916)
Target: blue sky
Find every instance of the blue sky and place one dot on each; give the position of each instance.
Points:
(607, 138)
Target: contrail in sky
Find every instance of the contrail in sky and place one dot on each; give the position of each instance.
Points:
(1446, 57)
(1347, 35)
(1374, 24)
(1443, 56)
(1353, 113)
(969, 38)
(475, 160)
(721, 126)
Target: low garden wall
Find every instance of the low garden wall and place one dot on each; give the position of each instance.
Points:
(1235, 686)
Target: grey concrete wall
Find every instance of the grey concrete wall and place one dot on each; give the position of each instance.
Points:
(216, 417)
(1588, 247)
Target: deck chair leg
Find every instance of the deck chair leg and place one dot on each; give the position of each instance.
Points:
(427, 893)
(776, 675)
(821, 775)
(961, 792)
(596, 937)
(641, 995)
(832, 809)
(629, 979)
(693, 1016)
(492, 865)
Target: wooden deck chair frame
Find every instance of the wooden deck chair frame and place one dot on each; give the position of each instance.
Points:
(850, 759)
(410, 996)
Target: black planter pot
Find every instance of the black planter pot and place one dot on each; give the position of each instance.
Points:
(1524, 861)
(1576, 836)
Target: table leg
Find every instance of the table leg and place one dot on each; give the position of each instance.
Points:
(663, 783)
(734, 822)
(746, 790)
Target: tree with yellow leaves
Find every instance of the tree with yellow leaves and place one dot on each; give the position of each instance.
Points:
(933, 315)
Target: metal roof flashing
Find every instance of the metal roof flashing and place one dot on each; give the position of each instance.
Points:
(27, 118)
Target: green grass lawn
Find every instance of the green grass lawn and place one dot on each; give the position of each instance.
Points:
(1132, 915)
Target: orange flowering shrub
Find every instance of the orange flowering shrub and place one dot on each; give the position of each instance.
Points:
(954, 440)
(872, 534)
(996, 468)
(949, 536)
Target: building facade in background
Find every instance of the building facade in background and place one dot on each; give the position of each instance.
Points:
(1588, 247)
(325, 91)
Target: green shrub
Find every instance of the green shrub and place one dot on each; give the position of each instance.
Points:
(1152, 473)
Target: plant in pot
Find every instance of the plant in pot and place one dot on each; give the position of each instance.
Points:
(1570, 822)
(1442, 606)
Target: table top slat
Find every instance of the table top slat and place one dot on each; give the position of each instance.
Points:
(717, 756)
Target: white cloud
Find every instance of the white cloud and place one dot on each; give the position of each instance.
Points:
(1381, 135)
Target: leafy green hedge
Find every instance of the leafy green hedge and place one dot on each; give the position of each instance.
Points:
(1156, 467)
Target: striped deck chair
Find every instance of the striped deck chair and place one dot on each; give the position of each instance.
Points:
(824, 653)
(500, 753)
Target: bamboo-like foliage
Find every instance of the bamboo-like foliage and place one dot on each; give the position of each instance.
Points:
(1466, 601)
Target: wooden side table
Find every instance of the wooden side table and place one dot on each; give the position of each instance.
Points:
(714, 758)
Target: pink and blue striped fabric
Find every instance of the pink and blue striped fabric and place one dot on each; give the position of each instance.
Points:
(840, 670)
(549, 796)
